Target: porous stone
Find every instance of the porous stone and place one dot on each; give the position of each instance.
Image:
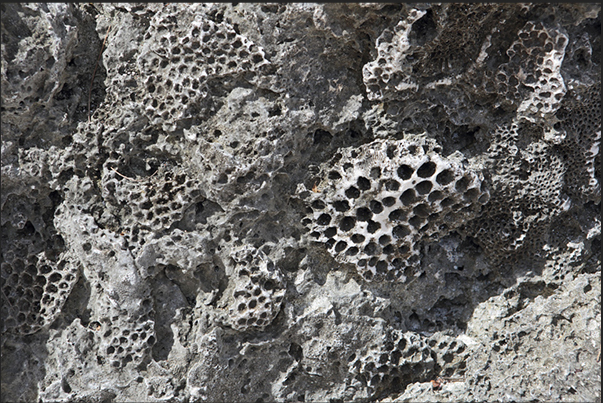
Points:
(258, 291)
(374, 204)
(300, 202)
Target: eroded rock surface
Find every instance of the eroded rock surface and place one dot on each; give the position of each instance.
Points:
(301, 202)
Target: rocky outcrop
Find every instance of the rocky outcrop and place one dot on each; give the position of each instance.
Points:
(300, 202)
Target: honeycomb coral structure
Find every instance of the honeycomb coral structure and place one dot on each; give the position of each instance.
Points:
(389, 75)
(258, 293)
(375, 203)
(123, 342)
(41, 68)
(154, 203)
(580, 118)
(181, 55)
(449, 353)
(532, 77)
(36, 276)
(34, 291)
(394, 360)
(527, 191)
(122, 317)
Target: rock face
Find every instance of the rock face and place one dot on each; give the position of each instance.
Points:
(301, 202)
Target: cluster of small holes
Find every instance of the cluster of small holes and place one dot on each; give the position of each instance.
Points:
(36, 277)
(156, 202)
(398, 360)
(562, 261)
(450, 354)
(527, 191)
(181, 60)
(34, 290)
(545, 180)
(498, 235)
(457, 37)
(25, 79)
(532, 77)
(580, 118)
(125, 344)
(389, 75)
(377, 202)
(258, 294)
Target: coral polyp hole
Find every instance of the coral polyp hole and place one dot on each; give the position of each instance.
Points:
(462, 184)
(324, 219)
(388, 201)
(341, 205)
(381, 267)
(416, 221)
(357, 238)
(422, 210)
(471, 194)
(408, 197)
(371, 249)
(384, 239)
(334, 175)
(435, 195)
(347, 223)
(340, 246)
(363, 183)
(373, 226)
(447, 202)
(445, 177)
(330, 232)
(404, 249)
(375, 173)
(392, 185)
(400, 231)
(397, 215)
(375, 206)
(424, 187)
(364, 214)
(352, 251)
(318, 205)
(388, 249)
(352, 193)
(405, 172)
(427, 169)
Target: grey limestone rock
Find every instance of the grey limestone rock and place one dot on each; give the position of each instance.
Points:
(266, 202)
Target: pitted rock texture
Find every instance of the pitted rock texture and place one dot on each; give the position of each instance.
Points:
(533, 74)
(378, 201)
(183, 50)
(391, 74)
(300, 202)
(394, 361)
(258, 293)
